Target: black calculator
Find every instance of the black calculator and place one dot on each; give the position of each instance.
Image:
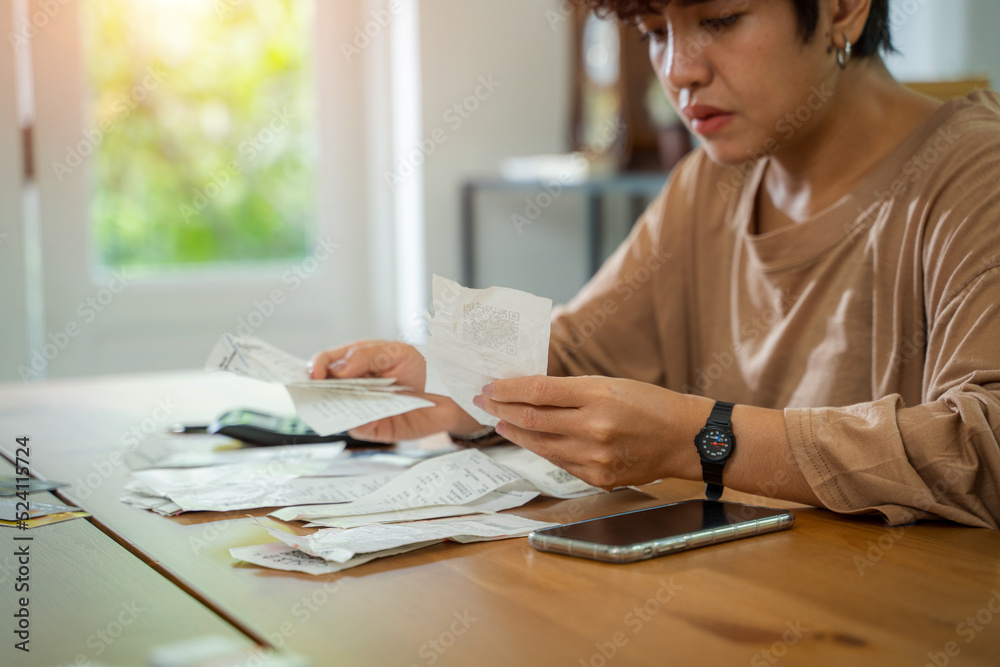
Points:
(260, 428)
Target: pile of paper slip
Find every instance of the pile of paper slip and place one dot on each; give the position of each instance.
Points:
(366, 501)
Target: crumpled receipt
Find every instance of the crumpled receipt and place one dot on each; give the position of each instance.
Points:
(327, 406)
(481, 335)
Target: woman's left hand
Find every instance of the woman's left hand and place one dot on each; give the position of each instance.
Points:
(609, 432)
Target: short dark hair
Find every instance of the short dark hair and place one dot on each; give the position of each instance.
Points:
(875, 36)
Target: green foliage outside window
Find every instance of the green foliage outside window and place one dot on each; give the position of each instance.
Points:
(206, 150)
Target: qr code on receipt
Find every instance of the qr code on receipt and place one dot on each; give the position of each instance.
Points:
(490, 326)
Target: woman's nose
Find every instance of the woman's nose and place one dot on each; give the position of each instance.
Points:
(685, 64)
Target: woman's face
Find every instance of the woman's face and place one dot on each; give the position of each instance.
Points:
(740, 76)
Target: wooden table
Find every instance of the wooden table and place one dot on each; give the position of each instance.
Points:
(835, 590)
(90, 601)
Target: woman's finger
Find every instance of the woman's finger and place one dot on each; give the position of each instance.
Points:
(566, 392)
(365, 358)
(538, 418)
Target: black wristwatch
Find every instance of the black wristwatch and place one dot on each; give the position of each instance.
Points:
(715, 445)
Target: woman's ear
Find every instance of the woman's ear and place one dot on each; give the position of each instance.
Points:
(847, 20)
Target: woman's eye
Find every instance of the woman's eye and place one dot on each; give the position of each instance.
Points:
(721, 22)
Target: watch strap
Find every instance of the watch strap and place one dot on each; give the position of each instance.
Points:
(722, 415)
(711, 471)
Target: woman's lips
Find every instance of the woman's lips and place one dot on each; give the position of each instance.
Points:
(711, 124)
(706, 119)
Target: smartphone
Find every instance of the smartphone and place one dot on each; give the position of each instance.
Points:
(657, 531)
(259, 428)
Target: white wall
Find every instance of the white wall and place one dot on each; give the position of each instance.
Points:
(943, 39)
(13, 313)
(983, 52)
(519, 45)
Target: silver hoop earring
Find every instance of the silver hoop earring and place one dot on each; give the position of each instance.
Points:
(844, 54)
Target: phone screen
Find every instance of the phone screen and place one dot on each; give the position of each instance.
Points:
(657, 523)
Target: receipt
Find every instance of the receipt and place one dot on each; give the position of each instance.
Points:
(280, 556)
(284, 453)
(491, 503)
(253, 358)
(342, 545)
(303, 490)
(330, 411)
(477, 336)
(327, 406)
(544, 475)
(170, 480)
(248, 485)
(451, 479)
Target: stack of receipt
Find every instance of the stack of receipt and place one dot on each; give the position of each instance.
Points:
(430, 502)
(378, 505)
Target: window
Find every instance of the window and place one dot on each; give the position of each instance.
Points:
(202, 131)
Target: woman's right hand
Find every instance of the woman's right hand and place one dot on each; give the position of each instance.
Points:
(372, 358)
(379, 358)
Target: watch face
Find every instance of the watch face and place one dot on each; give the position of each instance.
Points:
(715, 444)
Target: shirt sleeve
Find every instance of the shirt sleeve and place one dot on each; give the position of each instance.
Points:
(939, 459)
(617, 304)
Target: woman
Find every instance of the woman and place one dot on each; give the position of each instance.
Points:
(828, 260)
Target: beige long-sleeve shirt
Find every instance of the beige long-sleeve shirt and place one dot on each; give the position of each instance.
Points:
(874, 325)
